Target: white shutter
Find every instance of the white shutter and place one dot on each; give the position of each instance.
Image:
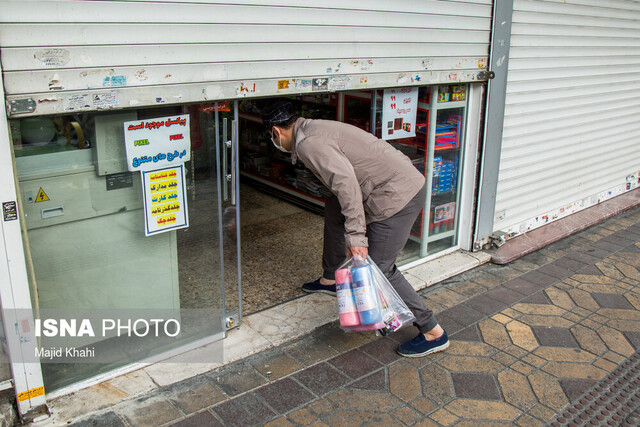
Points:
(571, 129)
(148, 52)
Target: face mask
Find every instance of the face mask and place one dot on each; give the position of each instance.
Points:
(279, 146)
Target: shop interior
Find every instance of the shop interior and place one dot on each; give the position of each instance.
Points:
(280, 206)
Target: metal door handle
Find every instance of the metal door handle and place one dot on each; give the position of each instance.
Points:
(234, 149)
(225, 168)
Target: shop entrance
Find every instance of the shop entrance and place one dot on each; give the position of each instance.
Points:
(88, 255)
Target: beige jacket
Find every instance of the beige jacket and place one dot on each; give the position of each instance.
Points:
(372, 180)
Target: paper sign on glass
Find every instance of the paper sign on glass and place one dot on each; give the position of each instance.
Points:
(165, 200)
(399, 111)
(157, 143)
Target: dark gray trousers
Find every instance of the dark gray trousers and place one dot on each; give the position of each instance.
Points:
(386, 240)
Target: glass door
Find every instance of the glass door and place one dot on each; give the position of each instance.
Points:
(105, 293)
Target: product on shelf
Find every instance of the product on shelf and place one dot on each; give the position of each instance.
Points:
(445, 174)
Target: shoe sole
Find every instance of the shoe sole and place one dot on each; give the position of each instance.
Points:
(319, 292)
(443, 347)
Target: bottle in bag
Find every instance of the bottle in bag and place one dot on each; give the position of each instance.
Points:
(346, 301)
(366, 295)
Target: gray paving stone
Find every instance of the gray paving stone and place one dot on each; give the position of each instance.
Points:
(614, 301)
(200, 419)
(108, 419)
(376, 381)
(475, 386)
(554, 337)
(321, 378)
(355, 363)
(243, 411)
(284, 395)
(484, 304)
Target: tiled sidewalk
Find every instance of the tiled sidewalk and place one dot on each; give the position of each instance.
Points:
(528, 340)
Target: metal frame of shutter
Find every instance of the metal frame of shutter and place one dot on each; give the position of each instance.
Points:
(138, 53)
(571, 134)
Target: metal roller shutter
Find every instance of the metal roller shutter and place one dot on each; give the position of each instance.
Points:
(571, 130)
(133, 53)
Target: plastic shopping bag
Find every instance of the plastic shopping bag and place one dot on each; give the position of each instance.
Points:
(366, 299)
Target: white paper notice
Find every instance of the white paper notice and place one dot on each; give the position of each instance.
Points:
(399, 111)
(165, 200)
(157, 143)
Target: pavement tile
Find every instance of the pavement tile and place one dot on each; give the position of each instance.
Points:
(614, 357)
(612, 301)
(597, 252)
(450, 325)
(361, 400)
(634, 299)
(349, 418)
(572, 370)
(504, 295)
(542, 413)
(545, 321)
(105, 419)
(591, 270)
(628, 270)
(302, 416)
(321, 406)
(575, 261)
(462, 314)
(238, 378)
(523, 368)
(504, 358)
(470, 364)
(630, 258)
(468, 289)
(471, 333)
(548, 390)
(558, 354)
(494, 333)
(516, 389)
(574, 388)
(193, 394)
(588, 340)
(149, 411)
(536, 298)
(556, 270)
(538, 278)
(475, 386)
(373, 382)
(355, 363)
(554, 337)
(528, 421)
(522, 335)
(559, 298)
(446, 298)
(284, 395)
(407, 415)
(540, 309)
(279, 422)
(610, 270)
(583, 299)
(423, 405)
(483, 410)
(276, 366)
(404, 381)
(484, 304)
(615, 341)
(534, 360)
(609, 247)
(572, 317)
(243, 410)
(522, 286)
(310, 350)
(605, 364)
(321, 378)
(204, 418)
(382, 349)
(484, 278)
(444, 417)
(470, 348)
(436, 383)
(624, 325)
(634, 339)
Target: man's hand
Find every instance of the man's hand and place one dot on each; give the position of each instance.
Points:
(359, 251)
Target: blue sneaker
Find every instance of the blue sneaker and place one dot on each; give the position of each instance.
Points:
(419, 346)
(316, 287)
